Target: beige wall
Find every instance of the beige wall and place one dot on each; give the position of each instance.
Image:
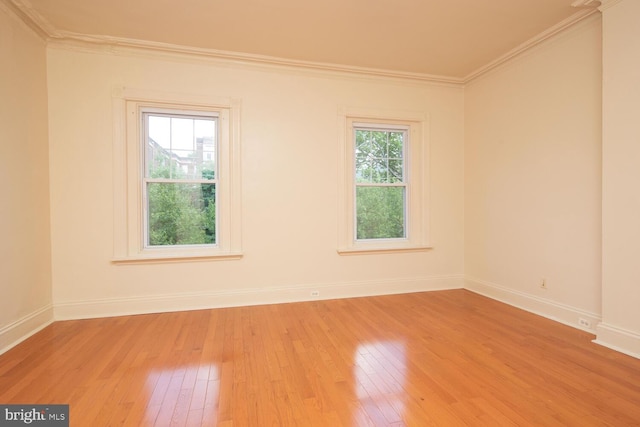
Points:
(532, 178)
(290, 154)
(25, 262)
(621, 178)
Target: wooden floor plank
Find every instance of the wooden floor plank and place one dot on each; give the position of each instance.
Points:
(442, 358)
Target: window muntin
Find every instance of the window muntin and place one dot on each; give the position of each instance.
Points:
(380, 181)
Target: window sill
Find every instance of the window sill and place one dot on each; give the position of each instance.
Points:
(157, 258)
(378, 249)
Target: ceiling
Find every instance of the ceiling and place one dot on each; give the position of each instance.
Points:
(452, 38)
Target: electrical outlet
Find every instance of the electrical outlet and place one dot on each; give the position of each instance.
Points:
(543, 283)
(315, 293)
(584, 323)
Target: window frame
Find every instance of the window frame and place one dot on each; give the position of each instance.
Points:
(415, 154)
(130, 239)
(380, 127)
(172, 113)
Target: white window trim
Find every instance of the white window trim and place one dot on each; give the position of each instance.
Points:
(129, 246)
(417, 155)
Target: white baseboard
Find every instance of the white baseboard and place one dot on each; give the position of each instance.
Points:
(618, 339)
(18, 331)
(562, 313)
(246, 297)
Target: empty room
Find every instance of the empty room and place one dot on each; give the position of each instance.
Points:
(337, 213)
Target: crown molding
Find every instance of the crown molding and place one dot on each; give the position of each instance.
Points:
(606, 4)
(69, 39)
(600, 4)
(531, 43)
(586, 3)
(19, 13)
(25, 11)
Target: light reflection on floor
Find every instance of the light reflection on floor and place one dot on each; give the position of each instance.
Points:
(380, 373)
(185, 395)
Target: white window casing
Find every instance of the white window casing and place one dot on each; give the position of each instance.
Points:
(415, 180)
(130, 227)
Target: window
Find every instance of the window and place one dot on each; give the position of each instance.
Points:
(383, 197)
(380, 181)
(176, 177)
(180, 177)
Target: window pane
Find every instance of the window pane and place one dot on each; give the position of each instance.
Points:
(160, 131)
(158, 160)
(363, 152)
(379, 143)
(380, 212)
(396, 140)
(396, 171)
(181, 214)
(181, 133)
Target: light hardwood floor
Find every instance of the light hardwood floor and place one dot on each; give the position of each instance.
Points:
(443, 358)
